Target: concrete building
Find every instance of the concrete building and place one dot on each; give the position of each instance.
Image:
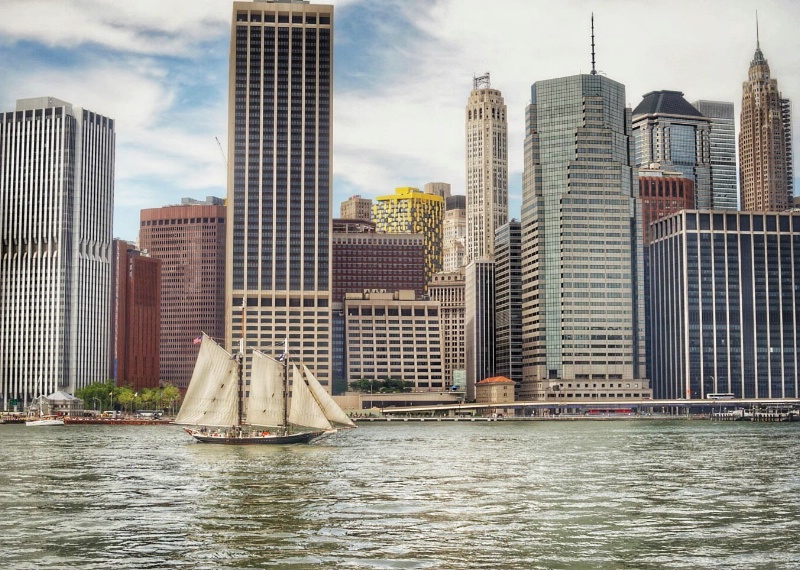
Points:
(487, 167)
(673, 135)
(725, 304)
(57, 199)
(765, 142)
(454, 233)
(189, 239)
(479, 322)
(409, 210)
(280, 180)
(447, 288)
(438, 189)
(394, 335)
(722, 136)
(136, 317)
(356, 208)
(508, 301)
(582, 266)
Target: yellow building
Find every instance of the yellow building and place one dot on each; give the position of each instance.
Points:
(409, 210)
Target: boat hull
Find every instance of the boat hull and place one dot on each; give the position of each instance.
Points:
(249, 439)
(45, 423)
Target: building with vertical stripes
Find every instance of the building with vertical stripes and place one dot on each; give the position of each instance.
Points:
(765, 142)
(136, 317)
(508, 300)
(56, 199)
(725, 304)
(278, 281)
(479, 323)
(722, 136)
(487, 167)
(448, 289)
(454, 233)
(189, 239)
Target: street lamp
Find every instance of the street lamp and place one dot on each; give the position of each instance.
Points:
(112, 402)
(96, 400)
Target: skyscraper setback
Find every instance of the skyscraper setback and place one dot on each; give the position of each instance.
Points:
(487, 168)
(279, 179)
(57, 198)
(765, 141)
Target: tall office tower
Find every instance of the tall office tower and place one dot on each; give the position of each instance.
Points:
(669, 132)
(57, 201)
(409, 210)
(582, 269)
(448, 289)
(356, 208)
(725, 304)
(508, 300)
(479, 324)
(487, 167)
(279, 180)
(438, 188)
(136, 317)
(417, 358)
(724, 195)
(765, 142)
(189, 239)
(454, 233)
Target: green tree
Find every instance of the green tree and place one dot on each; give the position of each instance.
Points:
(126, 397)
(97, 395)
(171, 395)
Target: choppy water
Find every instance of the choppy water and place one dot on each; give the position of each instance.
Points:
(622, 494)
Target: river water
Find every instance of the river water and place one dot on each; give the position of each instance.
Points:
(559, 494)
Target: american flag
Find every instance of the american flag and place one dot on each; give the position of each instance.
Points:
(198, 340)
(282, 357)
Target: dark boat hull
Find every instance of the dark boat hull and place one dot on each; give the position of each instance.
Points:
(305, 437)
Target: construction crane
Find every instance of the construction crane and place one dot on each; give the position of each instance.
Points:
(219, 144)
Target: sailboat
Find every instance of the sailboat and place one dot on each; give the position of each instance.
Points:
(42, 420)
(219, 410)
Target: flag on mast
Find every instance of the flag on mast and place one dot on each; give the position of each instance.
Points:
(198, 340)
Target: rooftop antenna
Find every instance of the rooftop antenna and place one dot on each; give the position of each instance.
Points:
(594, 71)
(481, 82)
(758, 41)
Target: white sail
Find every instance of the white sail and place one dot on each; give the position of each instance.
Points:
(329, 407)
(304, 410)
(265, 404)
(211, 399)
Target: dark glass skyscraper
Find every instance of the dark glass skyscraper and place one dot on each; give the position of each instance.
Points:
(279, 179)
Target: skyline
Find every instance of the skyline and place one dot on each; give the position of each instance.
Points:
(403, 74)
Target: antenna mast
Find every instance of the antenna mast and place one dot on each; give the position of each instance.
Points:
(594, 71)
(481, 82)
(758, 41)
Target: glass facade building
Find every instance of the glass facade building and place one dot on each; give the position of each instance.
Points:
(279, 179)
(582, 270)
(508, 300)
(724, 190)
(725, 304)
(479, 325)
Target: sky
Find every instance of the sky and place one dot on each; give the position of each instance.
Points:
(402, 75)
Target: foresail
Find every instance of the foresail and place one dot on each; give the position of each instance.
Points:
(265, 404)
(329, 407)
(211, 398)
(304, 410)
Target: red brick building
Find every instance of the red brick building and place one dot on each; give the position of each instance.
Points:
(190, 241)
(136, 317)
(663, 196)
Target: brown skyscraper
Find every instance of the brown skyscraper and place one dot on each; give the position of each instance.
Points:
(765, 142)
(190, 241)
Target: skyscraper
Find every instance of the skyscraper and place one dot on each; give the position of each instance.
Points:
(57, 197)
(582, 278)
(508, 300)
(724, 195)
(189, 239)
(487, 167)
(454, 232)
(356, 208)
(765, 142)
(279, 179)
(479, 325)
(669, 132)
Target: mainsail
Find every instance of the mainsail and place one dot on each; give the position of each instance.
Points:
(211, 399)
(265, 404)
(304, 410)
(329, 407)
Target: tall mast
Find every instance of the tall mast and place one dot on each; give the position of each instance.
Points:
(286, 386)
(239, 367)
(594, 71)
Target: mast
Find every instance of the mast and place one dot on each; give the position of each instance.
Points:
(239, 375)
(286, 386)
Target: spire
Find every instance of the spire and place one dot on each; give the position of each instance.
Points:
(758, 58)
(594, 71)
(758, 41)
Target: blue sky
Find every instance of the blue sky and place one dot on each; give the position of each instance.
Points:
(403, 72)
